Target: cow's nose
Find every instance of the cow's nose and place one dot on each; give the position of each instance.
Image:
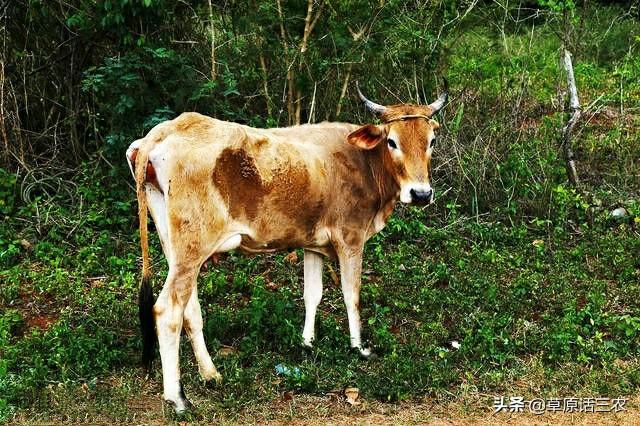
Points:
(420, 197)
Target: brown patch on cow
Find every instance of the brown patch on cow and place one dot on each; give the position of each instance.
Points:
(289, 191)
(293, 198)
(258, 143)
(238, 180)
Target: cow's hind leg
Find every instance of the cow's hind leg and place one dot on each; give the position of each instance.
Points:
(312, 294)
(193, 327)
(169, 311)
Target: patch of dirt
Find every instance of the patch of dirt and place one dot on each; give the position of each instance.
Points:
(37, 310)
(43, 322)
(313, 410)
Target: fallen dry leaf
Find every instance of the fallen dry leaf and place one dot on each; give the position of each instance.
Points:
(227, 351)
(291, 257)
(272, 286)
(352, 395)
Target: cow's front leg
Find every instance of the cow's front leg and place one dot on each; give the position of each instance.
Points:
(169, 312)
(350, 276)
(193, 327)
(312, 294)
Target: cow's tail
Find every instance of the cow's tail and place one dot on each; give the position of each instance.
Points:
(145, 293)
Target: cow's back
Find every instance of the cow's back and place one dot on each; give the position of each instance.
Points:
(278, 188)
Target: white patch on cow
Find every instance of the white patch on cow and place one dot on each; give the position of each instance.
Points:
(350, 276)
(230, 243)
(312, 293)
(168, 326)
(193, 327)
(158, 157)
(405, 191)
(158, 210)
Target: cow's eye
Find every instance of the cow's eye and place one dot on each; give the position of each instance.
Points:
(432, 143)
(392, 144)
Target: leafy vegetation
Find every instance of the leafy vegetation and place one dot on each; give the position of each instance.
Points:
(513, 281)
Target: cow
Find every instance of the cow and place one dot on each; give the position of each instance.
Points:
(213, 186)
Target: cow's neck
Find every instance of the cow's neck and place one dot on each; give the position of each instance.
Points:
(388, 189)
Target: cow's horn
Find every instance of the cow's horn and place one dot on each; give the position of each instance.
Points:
(371, 106)
(442, 99)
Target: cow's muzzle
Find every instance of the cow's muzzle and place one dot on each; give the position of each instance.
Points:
(421, 197)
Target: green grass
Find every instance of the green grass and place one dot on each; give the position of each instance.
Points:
(535, 281)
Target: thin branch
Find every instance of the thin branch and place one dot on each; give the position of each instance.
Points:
(343, 92)
(265, 82)
(213, 43)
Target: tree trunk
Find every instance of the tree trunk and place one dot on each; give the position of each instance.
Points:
(567, 131)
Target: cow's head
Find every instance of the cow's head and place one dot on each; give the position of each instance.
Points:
(406, 139)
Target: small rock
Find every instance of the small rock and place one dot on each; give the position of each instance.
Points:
(402, 268)
(618, 213)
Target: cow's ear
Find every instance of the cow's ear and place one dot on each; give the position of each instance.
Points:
(368, 137)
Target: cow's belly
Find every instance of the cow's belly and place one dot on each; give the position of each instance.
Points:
(251, 239)
(283, 239)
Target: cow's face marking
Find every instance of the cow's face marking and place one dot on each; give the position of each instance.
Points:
(405, 140)
(410, 146)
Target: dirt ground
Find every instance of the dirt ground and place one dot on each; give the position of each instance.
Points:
(334, 410)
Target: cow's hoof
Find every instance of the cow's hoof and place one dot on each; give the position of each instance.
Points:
(365, 353)
(212, 377)
(180, 405)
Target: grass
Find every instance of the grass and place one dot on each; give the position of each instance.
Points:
(536, 282)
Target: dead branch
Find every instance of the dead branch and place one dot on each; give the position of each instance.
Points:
(343, 92)
(3, 131)
(567, 130)
(265, 82)
(307, 27)
(213, 43)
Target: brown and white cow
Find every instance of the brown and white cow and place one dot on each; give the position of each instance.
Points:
(213, 186)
